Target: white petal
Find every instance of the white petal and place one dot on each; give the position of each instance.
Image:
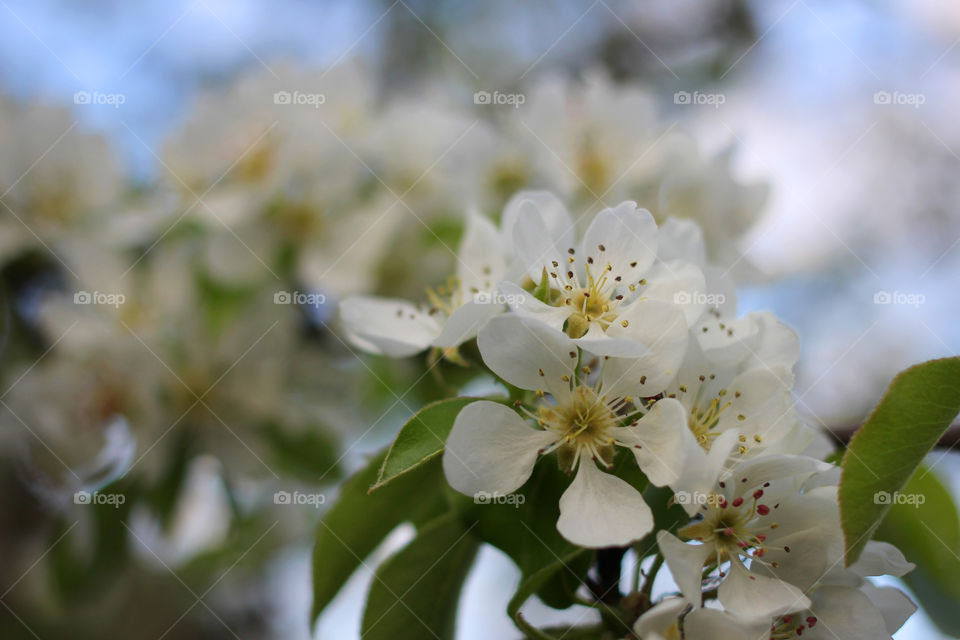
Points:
(466, 320)
(491, 449)
(480, 257)
(815, 512)
(751, 473)
(518, 349)
(662, 329)
(802, 566)
(654, 622)
(881, 558)
(761, 404)
(721, 282)
(599, 509)
(726, 340)
(892, 603)
(526, 305)
(685, 562)
(360, 342)
(533, 245)
(679, 283)
(712, 624)
(556, 219)
(599, 342)
(843, 612)
(658, 441)
(754, 597)
(702, 469)
(628, 236)
(688, 375)
(681, 239)
(777, 343)
(395, 328)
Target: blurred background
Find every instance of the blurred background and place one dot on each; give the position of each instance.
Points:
(187, 188)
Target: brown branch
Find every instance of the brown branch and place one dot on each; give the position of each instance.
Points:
(949, 439)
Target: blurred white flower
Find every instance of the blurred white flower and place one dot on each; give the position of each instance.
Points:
(590, 138)
(199, 524)
(57, 181)
(454, 313)
(76, 424)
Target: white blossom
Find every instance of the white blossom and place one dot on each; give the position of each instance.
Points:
(493, 449)
(754, 510)
(606, 293)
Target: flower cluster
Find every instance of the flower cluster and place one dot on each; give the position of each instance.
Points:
(154, 303)
(616, 334)
(624, 344)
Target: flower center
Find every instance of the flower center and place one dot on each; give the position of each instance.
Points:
(701, 422)
(791, 626)
(594, 302)
(593, 168)
(583, 421)
(734, 528)
(673, 632)
(591, 306)
(445, 298)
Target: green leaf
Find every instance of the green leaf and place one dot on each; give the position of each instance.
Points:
(421, 439)
(916, 410)
(414, 593)
(929, 535)
(358, 522)
(310, 453)
(80, 570)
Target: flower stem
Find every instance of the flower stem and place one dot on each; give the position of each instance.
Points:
(530, 630)
(651, 576)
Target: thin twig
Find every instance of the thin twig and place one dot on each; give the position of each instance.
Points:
(949, 439)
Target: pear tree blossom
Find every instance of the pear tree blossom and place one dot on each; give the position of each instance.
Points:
(754, 508)
(612, 277)
(626, 345)
(492, 448)
(607, 342)
(453, 313)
